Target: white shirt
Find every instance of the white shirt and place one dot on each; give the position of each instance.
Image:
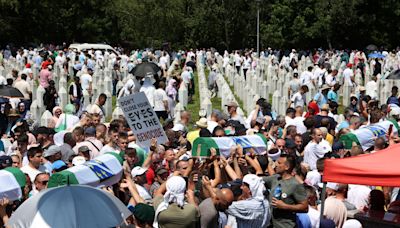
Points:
(358, 195)
(143, 192)
(314, 151)
(24, 87)
(70, 120)
(163, 62)
(60, 60)
(149, 92)
(86, 80)
(106, 148)
(298, 122)
(297, 100)
(211, 125)
(372, 89)
(330, 80)
(238, 60)
(314, 217)
(32, 172)
(347, 74)
(305, 78)
(3, 80)
(186, 77)
(159, 97)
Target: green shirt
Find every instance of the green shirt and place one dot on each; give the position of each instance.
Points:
(292, 193)
(175, 216)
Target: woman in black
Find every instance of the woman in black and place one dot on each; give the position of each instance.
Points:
(50, 96)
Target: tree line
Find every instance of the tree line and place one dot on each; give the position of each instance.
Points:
(223, 24)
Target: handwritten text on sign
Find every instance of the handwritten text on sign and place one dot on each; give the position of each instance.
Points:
(142, 119)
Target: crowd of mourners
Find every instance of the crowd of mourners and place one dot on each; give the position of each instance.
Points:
(164, 185)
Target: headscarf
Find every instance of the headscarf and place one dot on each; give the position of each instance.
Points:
(176, 187)
(55, 109)
(23, 114)
(69, 109)
(335, 210)
(256, 185)
(126, 90)
(55, 118)
(314, 106)
(352, 223)
(171, 90)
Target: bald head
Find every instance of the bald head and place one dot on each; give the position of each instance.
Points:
(185, 117)
(224, 199)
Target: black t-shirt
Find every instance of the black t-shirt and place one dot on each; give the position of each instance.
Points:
(318, 119)
(79, 91)
(306, 136)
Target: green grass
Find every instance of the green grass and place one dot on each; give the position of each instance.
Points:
(216, 101)
(194, 106)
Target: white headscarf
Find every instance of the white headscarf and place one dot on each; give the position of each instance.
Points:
(256, 185)
(176, 188)
(352, 223)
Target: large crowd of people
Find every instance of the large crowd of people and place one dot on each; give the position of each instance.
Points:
(164, 185)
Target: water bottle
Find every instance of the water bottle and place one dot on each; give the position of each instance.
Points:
(278, 192)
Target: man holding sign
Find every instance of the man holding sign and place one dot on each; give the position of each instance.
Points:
(142, 119)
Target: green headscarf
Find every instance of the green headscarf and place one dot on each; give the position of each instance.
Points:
(69, 109)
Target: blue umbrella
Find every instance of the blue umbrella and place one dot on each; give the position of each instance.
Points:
(376, 55)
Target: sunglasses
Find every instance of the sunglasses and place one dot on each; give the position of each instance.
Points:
(43, 182)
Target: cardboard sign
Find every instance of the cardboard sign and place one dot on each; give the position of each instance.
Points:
(142, 119)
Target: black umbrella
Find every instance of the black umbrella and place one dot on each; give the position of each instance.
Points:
(146, 68)
(394, 75)
(10, 92)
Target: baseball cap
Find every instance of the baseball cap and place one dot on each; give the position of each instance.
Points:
(5, 161)
(232, 104)
(290, 144)
(78, 160)
(58, 164)
(161, 171)
(90, 131)
(394, 111)
(138, 171)
(143, 212)
(51, 151)
(178, 127)
(331, 185)
(83, 149)
(233, 185)
(337, 146)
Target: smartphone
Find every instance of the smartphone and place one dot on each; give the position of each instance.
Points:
(390, 129)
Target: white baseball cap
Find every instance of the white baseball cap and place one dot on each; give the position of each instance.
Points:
(78, 160)
(138, 171)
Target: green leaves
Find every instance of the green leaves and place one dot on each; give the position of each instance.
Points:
(222, 24)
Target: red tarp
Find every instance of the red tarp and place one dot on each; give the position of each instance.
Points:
(381, 168)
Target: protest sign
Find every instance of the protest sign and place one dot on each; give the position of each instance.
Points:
(142, 119)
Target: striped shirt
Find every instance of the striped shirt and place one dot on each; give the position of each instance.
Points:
(250, 213)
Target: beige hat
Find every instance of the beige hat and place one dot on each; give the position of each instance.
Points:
(232, 104)
(361, 88)
(325, 107)
(324, 87)
(202, 123)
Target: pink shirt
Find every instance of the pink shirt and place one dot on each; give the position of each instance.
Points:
(44, 77)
